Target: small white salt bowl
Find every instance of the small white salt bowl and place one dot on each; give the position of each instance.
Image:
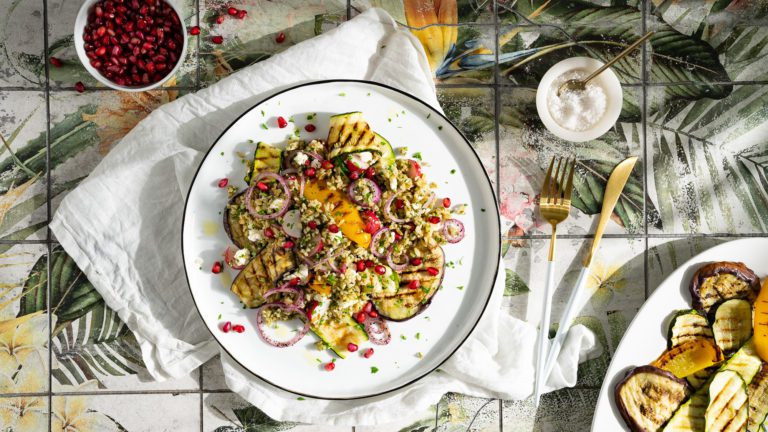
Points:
(607, 80)
(80, 22)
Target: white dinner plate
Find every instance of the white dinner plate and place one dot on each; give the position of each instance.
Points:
(646, 337)
(418, 345)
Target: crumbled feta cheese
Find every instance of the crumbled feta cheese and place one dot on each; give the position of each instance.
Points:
(255, 235)
(300, 158)
(276, 204)
(362, 159)
(302, 273)
(393, 183)
(242, 256)
(198, 262)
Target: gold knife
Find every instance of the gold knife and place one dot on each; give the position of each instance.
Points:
(613, 189)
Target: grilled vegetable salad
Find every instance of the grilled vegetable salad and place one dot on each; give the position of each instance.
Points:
(340, 234)
(713, 376)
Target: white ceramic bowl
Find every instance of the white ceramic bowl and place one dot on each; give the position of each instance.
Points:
(607, 80)
(82, 20)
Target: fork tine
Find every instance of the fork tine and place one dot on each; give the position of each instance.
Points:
(545, 188)
(556, 187)
(569, 186)
(561, 181)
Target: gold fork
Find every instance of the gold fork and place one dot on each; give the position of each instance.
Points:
(554, 205)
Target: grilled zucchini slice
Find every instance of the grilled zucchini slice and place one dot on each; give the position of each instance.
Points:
(758, 399)
(690, 357)
(733, 325)
(338, 336)
(721, 281)
(648, 396)
(350, 133)
(728, 405)
(407, 303)
(260, 274)
(687, 325)
(266, 158)
(699, 378)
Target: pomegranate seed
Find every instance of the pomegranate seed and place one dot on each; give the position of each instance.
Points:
(281, 122)
(368, 307)
(288, 245)
(223, 182)
(368, 353)
(333, 228)
(232, 11)
(433, 219)
(398, 236)
(280, 37)
(309, 128)
(100, 51)
(226, 327)
(432, 271)
(351, 347)
(360, 265)
(268, 233)
(55, 62)
(329, 366)
(216, 269)
(351, 166)
(80, 87)
(354, 175)
(327, 164)
(380, 269)
(446, 202)
(370, 172)
(415, 261)
(219, 19)
(399, 204)
(413, 284)
(373, 314)
(238, 328)
(310, 172)
(295, 281)
(96, 64)
(368, 264)
(241, 14)
(312, 224)
(218, 40)
(360, 317)
(101, 31)
(194, 30)
(262, 186)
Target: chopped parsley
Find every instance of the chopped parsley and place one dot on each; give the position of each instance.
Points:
(300, 398)
(429, 115)
(460, 287)
(453, 171)
(219, 317)
(222, 153)
(417, 155)
(311, 116)
(342, 94)
(374, 369)
(418, 336)
(439, 128)
(389, 120)
(482, 210)
(250, 141)
(290, 119)
(262, 113)
(369, 93)
(264, 126)
(419, 355)
(403, 337)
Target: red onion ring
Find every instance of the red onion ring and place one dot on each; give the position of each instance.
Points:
(392, 264)
(286, 307)
(286, 288)
(371, 184)
(313, 155)
(375, 237)
(287, 199)
(299, 175)
(378, 332)
(387, 211)
(229, 258)
(453, 223)
(429, 203)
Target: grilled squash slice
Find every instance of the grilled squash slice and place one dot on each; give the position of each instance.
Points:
(350, 133)
(688, 325)
(648, 396)
(690, 357)
(758, 399)
(344, 211)
(717, 282)
(728, 406)
(761, 322)
(406, 302)
(733, 325)
(260, 274)
(266, 158)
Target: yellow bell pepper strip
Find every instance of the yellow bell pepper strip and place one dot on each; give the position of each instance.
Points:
(344, 211)
(760, 326)
(690, 357)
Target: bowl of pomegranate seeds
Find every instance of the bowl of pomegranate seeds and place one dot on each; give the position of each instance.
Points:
(130, 45)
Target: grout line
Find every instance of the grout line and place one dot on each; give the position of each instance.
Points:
(497, 102)
(23, 89)
(198, 84)
(644, 128)
(48, 249)
(30, 242)
(349, 9)
(107, 89)
(501, 415)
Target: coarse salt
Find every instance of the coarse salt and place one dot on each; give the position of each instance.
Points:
(576, 110)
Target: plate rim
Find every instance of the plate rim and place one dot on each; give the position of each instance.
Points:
(605, 391)
(497, 243)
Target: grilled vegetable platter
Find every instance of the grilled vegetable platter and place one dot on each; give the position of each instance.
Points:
(340, 239)
(712, 375)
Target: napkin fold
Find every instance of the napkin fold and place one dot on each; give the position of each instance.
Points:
(122, 226)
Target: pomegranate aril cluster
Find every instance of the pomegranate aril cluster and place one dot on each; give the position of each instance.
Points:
(133, 43)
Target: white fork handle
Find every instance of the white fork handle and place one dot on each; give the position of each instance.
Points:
(541, 346)
(573, 307)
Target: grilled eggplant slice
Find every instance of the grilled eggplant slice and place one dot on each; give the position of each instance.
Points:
(266, 158)
(689, 357)
(232, 225)
(407, 303)
(648, 396)
(733, 325)
(728, 405)
(720, 281)
(687, 325)
(260, 274)
(758, 399)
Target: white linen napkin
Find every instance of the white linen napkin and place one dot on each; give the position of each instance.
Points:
(121, 225)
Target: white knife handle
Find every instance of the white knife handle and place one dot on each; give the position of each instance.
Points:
(571, 309)
(541, 346)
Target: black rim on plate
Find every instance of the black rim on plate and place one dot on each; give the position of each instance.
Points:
(487, 179)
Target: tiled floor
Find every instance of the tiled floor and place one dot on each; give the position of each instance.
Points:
(695, 111)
